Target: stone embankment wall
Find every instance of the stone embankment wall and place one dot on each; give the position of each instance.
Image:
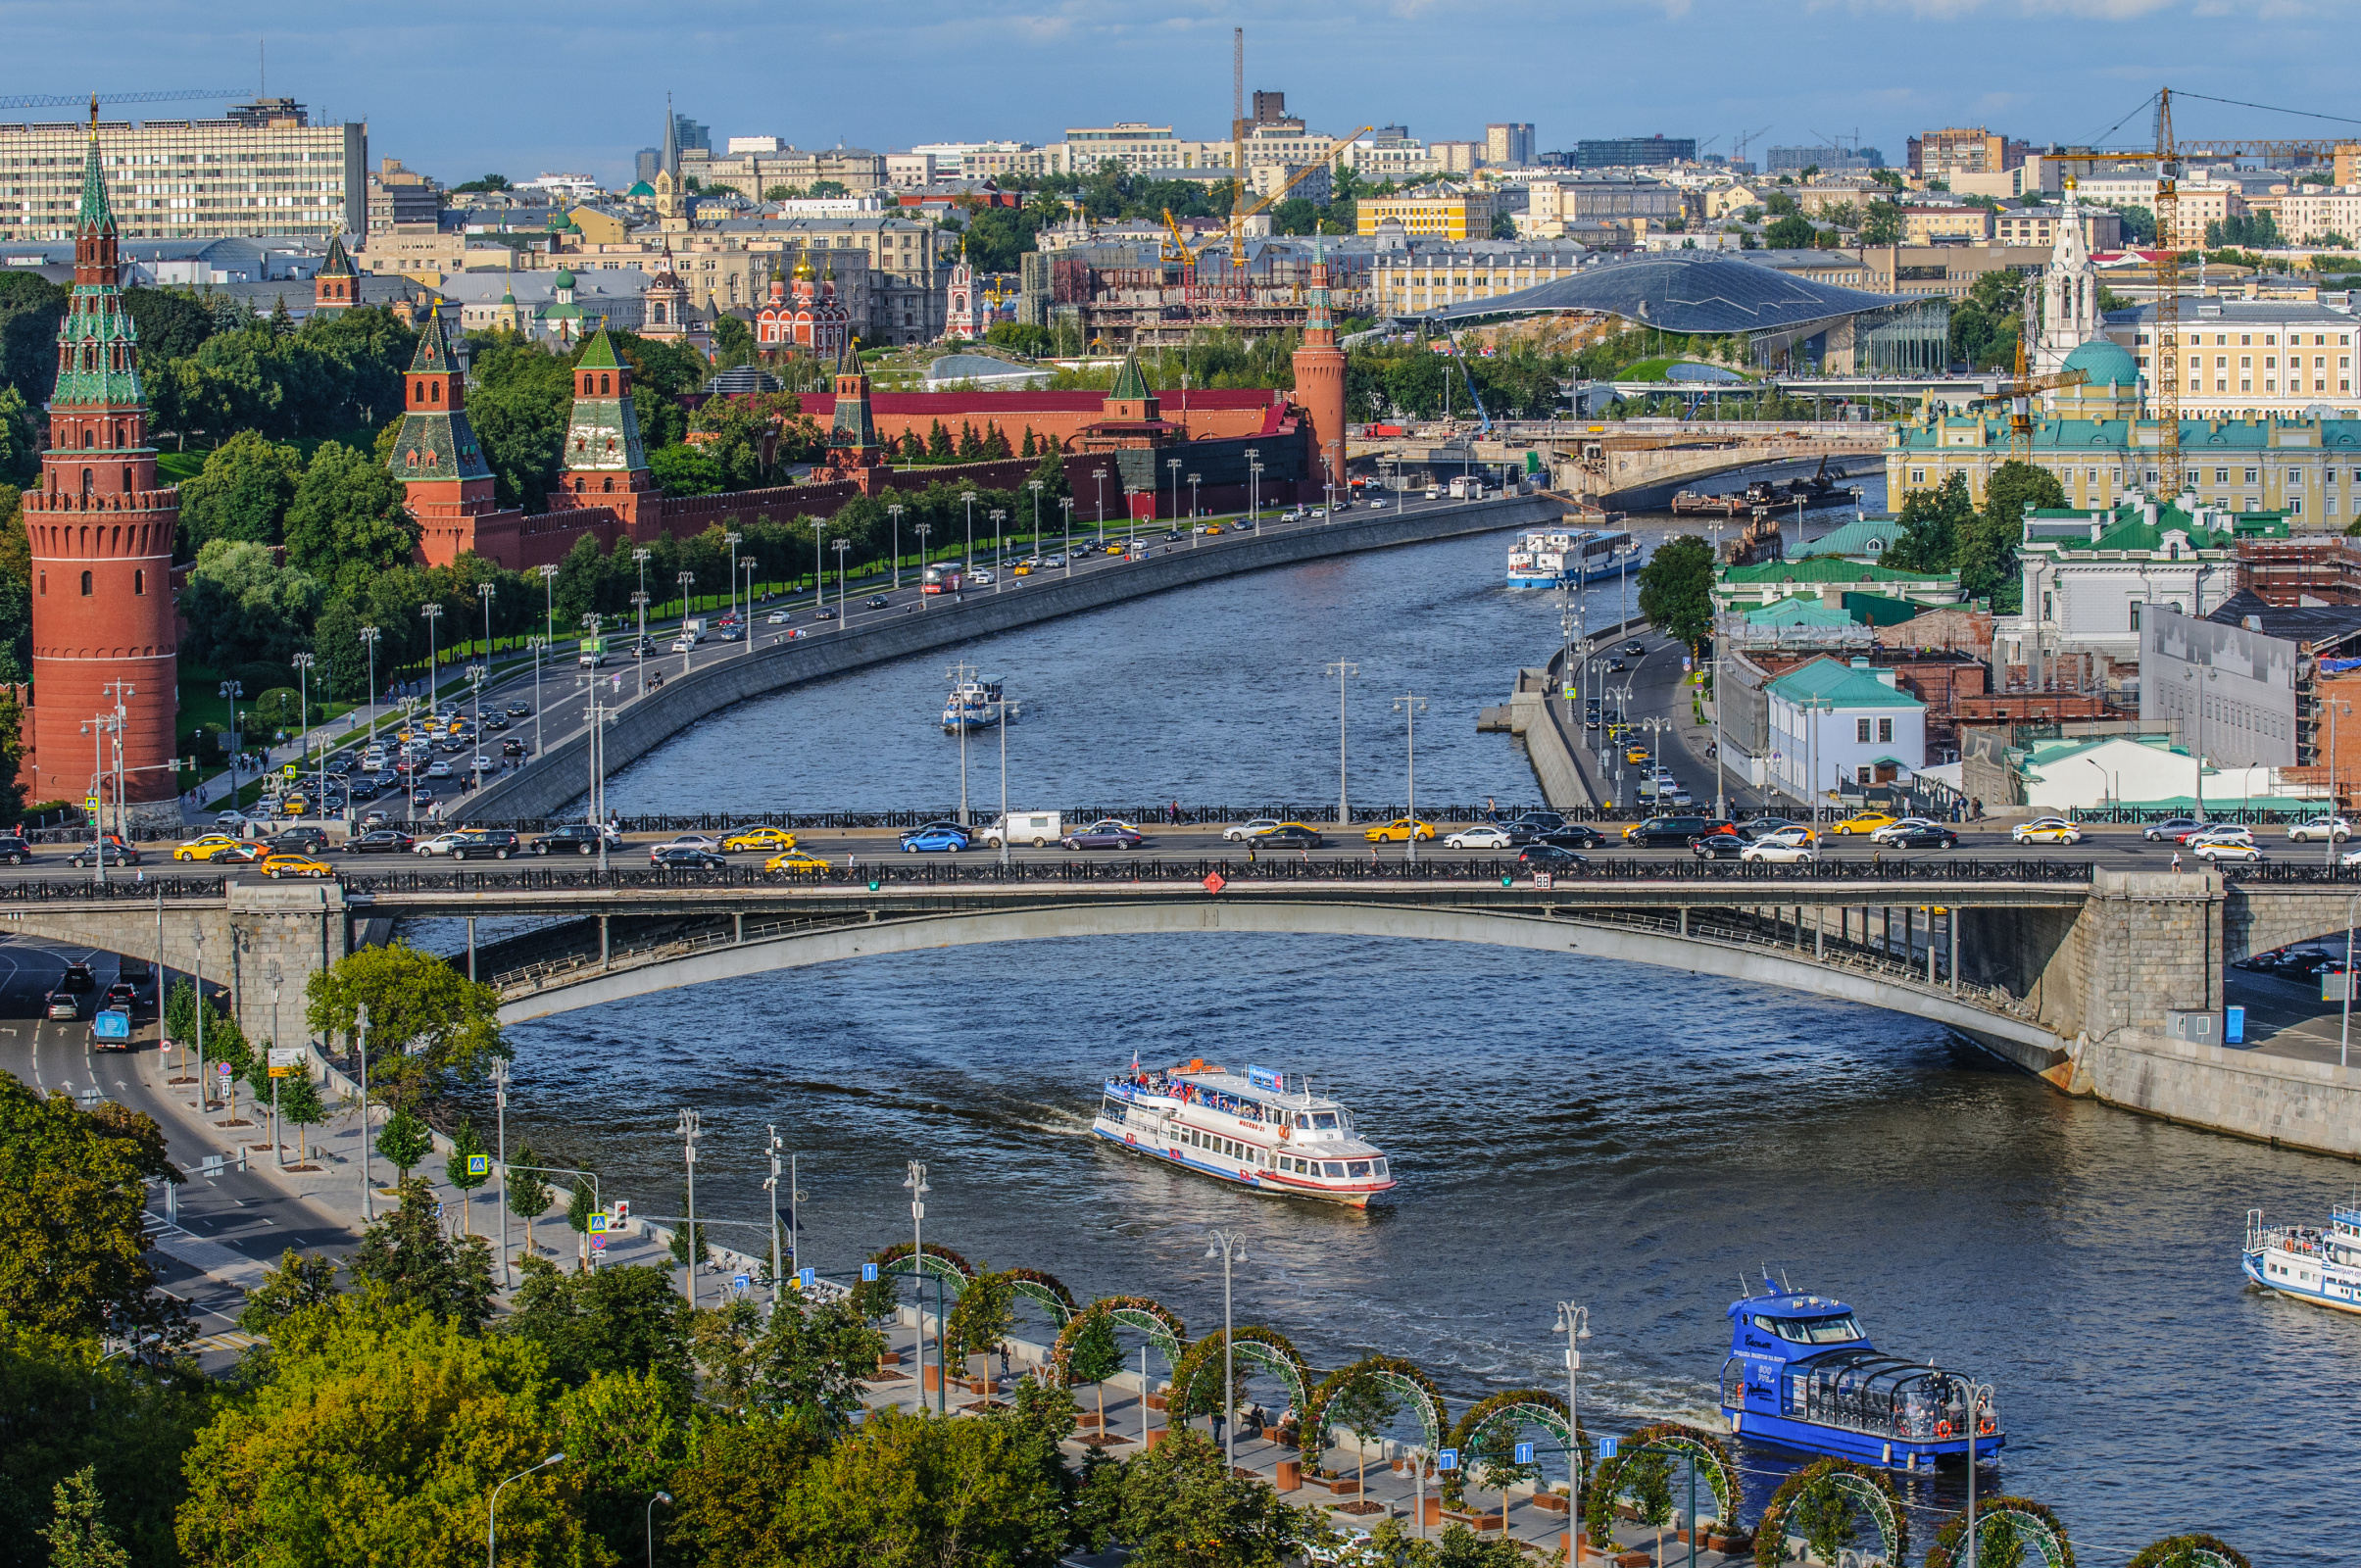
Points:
(640, 724)
(2280, 1101)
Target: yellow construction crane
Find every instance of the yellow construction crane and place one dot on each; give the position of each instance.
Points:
(1239, 213)
(2018, 398)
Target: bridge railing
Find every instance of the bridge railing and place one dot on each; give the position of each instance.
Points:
(2286, 872)
(902, 874)
(120, 887)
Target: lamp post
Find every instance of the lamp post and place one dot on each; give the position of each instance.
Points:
(967, 500)
(665, 1498)
(1230, 1250)
(304, 664)
(842, 546)
(687, 1128)
(1065, 505)
(1004, 832)
(2197, 701)
(1034, 485)
(1000, 547)
(639, 559)
(475, 694)
(1574, 1322)
(1193, 481)
(1173, 465)
(894, 511)
(732, 539)
(915, 1184)
(431, 614)
(549, 602)
(368, 640)
(1410, 705)
(1976, 1393)
(1254, 475)
(688, 580)
(922, 529)
(492, 1525)
(1720, 807)
(1100, 474)
(2344, 1026)
(819, 570)
(1341, 671)
(231, 691)
(500, 1109)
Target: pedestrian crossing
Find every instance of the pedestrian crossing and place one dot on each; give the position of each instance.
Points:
(227, 1339)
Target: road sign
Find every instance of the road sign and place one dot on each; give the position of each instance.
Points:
(479, 1164)
(807, 1278)
(287, 770)
(1524, 1453)
(222, 1068)
(741, 1281)
(284, 1059)
(598, 1243)
(90, 804)
(598, 1224)
(1448, 1459)
(1606, 1447)
(868, 1273)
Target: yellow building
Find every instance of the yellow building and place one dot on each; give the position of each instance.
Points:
(1451, 214)
(1429, 277)
(1924, 226)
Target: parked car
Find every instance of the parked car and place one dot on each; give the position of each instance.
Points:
(2047, 830)
(379, 841)
(685, 857)
(486, 843)
(1491, 836)
(1103, 837)
(928, 840)
(578, 838)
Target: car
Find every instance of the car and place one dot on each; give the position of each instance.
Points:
(1540, 821)
(1670, 831)
(694, 841)
(1616, 667)
(1289, 836)
(684, 645)
(1718, 847)
(1103, 836)
(1864, 822)
(685, 857)
(1794, 836)
(1211, 528)
(78, 977)
(500, 721)
(1573, 836)
(1052, 561)
(513, 746)
(876, 601)
(774, 839)
(486, 843)
(62, 1005)
(1635, 753)
(2228, 833)
(438, 768)
(823, 613)
(2216, 851)
(1762, 826)
(1491, 836)
(578, 838)
(379, 841)
(2301, 966)
(300, 840)
(232, 820)
(104, 853)
(795, 861)
(925, 840)
(482, 764)
(2047, 830)
(1173, 536)
(1921, 836)
(1634, 646)
(2335, 829)
(15, 849)
(1549, 857)
(1885, 835)
(1399, 831)
(300, 865)
(439, 843)
(777, 618)
(122, 994)
(518, 710)
(208, 847)
(1240, 832)
(1775, 851)
(2175, 829)
(1115, 824)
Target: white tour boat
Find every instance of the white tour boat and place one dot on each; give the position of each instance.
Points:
(2323, 1267)
(1256, 1131)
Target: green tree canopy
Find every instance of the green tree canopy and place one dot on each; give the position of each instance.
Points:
(426, 1021)
(405, 1258)
(1182, 1509)
(243, 608)
(242, 492)
(1676, 589)
(346, 522)
(403, 1141)
(74, 1233)
(1987, 548)
(609, 1320)
(1931, 526)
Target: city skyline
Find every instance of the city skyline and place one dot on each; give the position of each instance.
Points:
(455, 96)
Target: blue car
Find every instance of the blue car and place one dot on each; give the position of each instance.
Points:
(933, 838)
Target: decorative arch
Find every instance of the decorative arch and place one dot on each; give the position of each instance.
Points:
(1047, 1290)
(938, 1259)
(1867, 1491)
(1404, 1378)
(2189, 1551)
(1523, 1407)
(1163, 1326)
(2031, 1522)
(1713, 1464)
(1267, 1348)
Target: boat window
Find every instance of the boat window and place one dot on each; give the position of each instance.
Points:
(1360, 1167)
(1336, 1167)
(1378, 1165)
(1321, 1118)
(1840, 1329)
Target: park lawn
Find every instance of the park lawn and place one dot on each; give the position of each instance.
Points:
(1655, 371)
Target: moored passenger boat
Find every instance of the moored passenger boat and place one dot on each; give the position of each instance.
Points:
(1803, 1374)
(2319, 1266)
(1260, 1131)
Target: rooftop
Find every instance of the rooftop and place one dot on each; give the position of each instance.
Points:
(1685, 291)
(1840, 686)
(1827, 568)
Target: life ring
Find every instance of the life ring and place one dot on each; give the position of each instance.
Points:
(1942, 1429)
(1988, 1425)
(1131, 1138)
(1285, 1131)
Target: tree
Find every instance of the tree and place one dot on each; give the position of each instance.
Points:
(1095, 1356)
(682, 469)
(244, 607)
(1793, 233)
(403, 1141)
(1496, 1462)
(78, 1537)
(728, 1494)
(1882, 225)
(1987, 548)
(983, 1314)
(466, 1144)
(1182, 1509)
(808, 1359)
(378, 1439)
(242, 492)
(302, 1107)
(1931, 522)
(74, 1233)
(347, 521)
(1364, 1405)
(578, 1209)
(300, 1282)
(20, 446)
(1676, 589)
(405, 1257)
(625, 1320)
(528, 1193)
(433, 1024)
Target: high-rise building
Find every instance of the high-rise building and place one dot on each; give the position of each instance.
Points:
(647, 163)
(1270, 107)
(1826, 160)
(692, 134)
(1510, 144)
(105, 651)
(1634, 152)
(190, 178)
(1963, 150)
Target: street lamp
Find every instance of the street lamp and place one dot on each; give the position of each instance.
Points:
(475, 684)
(999, 548)
(1976, 1393)
(968, 499)
(2333, 708)
(1254, 474)
(368, 640)
(665, 1498)
(1192, 479)
(894, 511)
(746, 569)
(922, 529)
(549, 602)
(492, 1525)
(1230, 1250)
(731, 539)
(687, 1129)
(1410, 705)
(842, 545)
(431, 614)
(1034, 485)
(687, 580)
(1341, 671)
(1065, 505)
(915, 1184)
(304, 663)
(1574, 1322)
(1100, 474)
(1173, 465)
(231, 691)
(2198, 699)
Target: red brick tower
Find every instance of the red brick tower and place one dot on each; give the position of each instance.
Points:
(337, 284)
(102, 532)
(446, 485)
(605, 461)
(1320, 384)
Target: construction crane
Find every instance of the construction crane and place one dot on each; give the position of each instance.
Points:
(2018, 398)
(1742, 141)
(1239, 214)
(52, 100)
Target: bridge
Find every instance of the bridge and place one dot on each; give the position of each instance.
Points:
(1635, 463)
(2072, 971)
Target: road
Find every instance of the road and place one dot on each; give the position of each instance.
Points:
(239, 1210)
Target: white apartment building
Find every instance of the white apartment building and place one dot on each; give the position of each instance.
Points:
(189, 178)
(2248, 358)
(2202, 201)
(2309, 215)
(1404, 160)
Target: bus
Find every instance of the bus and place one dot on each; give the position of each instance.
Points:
(941, 580)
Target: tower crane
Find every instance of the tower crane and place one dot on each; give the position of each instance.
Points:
(52, 100)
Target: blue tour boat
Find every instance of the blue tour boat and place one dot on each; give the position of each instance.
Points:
(1803, 1374)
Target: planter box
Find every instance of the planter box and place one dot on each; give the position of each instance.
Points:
(1434, 1513)
(1086, 1418)
(1155, 1435)
(889, 1358)
(1485, 1521)
(1157, 1401)
(1288, 1477)
(1549, 1503)
(1634, 1559)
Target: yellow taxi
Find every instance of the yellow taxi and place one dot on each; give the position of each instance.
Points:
(1866, 823)
(759, 838)
(208, 847)
(1635, 753)
(1212, 528)
(1023, 568)
(2047, 830)
(795, 861)
(1397, 831)
(278, 865)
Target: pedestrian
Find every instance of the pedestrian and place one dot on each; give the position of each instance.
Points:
(2176, 860)
(1372, 857)
(1249, 851)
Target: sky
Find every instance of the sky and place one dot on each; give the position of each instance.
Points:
(461, 90)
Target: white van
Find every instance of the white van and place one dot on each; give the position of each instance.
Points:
(1037, 829)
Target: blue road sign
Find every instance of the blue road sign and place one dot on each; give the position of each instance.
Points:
(868, 1273)
(807, 1277)
(741, 1281)
(1606, 1447)
(1524, 1453)
(1448, 1459)
(598, 1224)
(479, 1164)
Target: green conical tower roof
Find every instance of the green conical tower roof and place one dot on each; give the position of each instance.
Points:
(98, 344)
(599, 354)
(432, 355)
(1131, 381)
(338, 262)
(95, 216)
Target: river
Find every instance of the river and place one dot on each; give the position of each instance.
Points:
(1564, 1128)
